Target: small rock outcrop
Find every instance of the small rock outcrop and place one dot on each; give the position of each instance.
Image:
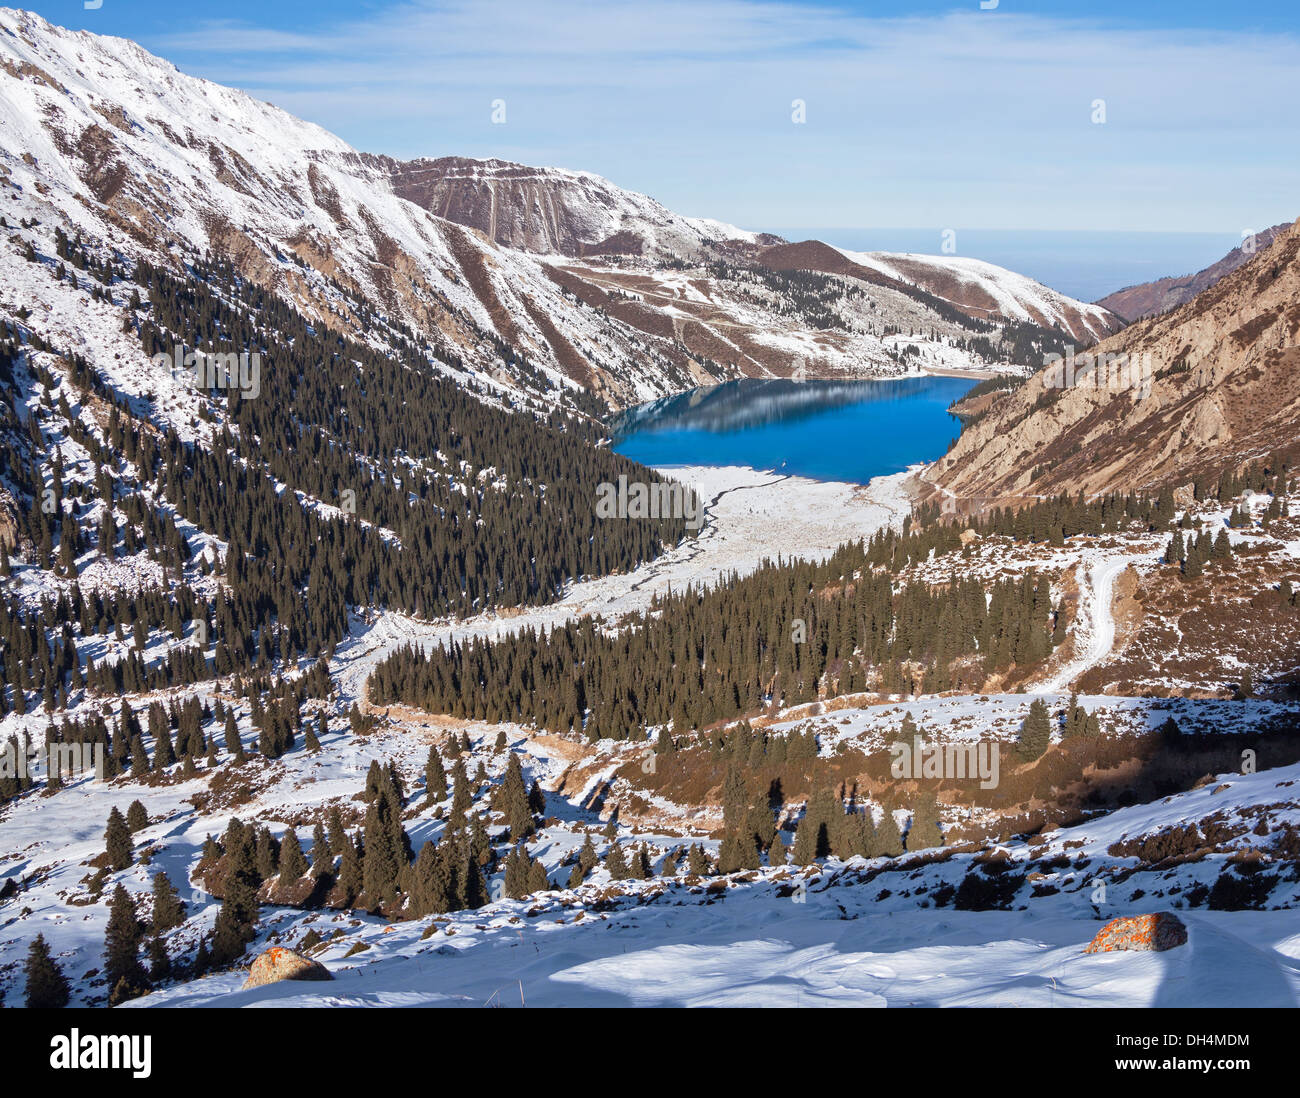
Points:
(278, 963)
(1143, 933)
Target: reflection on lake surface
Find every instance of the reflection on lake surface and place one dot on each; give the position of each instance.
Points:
(827, 430)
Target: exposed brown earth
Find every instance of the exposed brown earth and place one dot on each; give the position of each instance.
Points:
(1224, 388)
(1193, 637)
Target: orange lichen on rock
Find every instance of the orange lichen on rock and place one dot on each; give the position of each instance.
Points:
(278, 963)
(1144, 933)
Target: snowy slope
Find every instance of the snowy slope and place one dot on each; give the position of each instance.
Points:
(107, 140)
(989, 291)
(491, 260)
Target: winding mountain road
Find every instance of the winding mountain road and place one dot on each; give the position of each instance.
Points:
(1094, 628)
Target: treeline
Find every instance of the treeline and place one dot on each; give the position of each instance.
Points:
(489, 508)
(785, 635)
(790, 633)
(446, 505)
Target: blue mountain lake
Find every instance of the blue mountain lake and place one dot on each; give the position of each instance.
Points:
(825, 430)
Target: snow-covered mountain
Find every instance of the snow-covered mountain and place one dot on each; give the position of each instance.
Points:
(552, 211)
(114, 143)
(218, 588)
(508, 268)
(991, 292)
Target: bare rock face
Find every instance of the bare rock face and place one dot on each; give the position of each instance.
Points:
(1141, 933)
(278, 963)
(1181, 396)
(549, 211)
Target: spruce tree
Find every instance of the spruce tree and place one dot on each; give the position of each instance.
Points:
(238, 914)
(435, 776)
(322, 860)
(137, 818)
(168, 908)
(925, 831)
(513, 801)
(615, 863)
(516, 879)
(351, 877)
(382, 861)
(125, 975)
(293, 864)
(47, 987)
(1035, 732)
(117, 842)
(889, 841)
(588, 859)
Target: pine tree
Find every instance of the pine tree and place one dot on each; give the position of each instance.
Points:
(160, 964)
(615, 864)
(238, 914)
(382, 862)
(47, 987)
(338, 835)
(513, 801)
(536, 799)
(435, 776)
(117, 842)
(293, 864)
(351, 876)
(322, 860)
(889, 842)
(233, 743)
(639, 867)
(1035, 732)
(137, 818)
(516, 880)
(168, 908)
(925, 831)
(126, 976)
(588, 859)
(461, 797)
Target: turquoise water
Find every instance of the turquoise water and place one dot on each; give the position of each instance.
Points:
(826, 430)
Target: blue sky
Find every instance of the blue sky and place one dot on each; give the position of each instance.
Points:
(915, 114)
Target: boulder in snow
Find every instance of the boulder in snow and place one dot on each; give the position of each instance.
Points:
(278, 963)
(1144, 933)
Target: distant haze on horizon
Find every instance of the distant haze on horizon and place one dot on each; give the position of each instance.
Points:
(1085, 264)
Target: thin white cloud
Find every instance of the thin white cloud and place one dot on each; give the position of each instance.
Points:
(991, 110)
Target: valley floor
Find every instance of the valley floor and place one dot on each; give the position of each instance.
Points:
(840, 933)
(752, 516)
